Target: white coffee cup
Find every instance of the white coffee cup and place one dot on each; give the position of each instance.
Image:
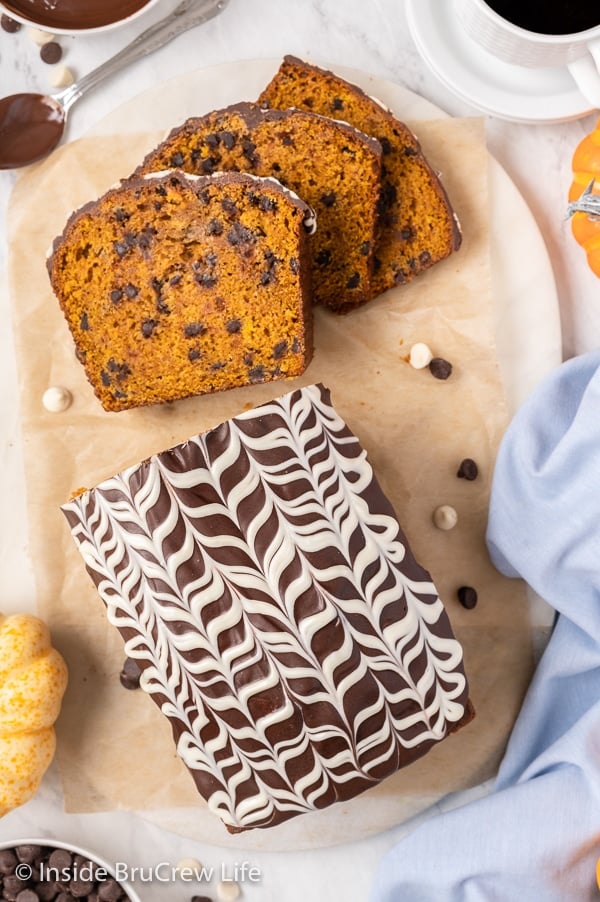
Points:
(579, 53)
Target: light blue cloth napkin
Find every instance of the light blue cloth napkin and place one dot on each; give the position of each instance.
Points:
(536, 838)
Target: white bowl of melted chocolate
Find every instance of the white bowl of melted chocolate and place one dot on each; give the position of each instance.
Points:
(75, 16)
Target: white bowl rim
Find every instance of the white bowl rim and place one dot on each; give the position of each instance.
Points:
(50, 843)
(98, 29)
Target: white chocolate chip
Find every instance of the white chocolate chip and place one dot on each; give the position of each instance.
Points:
(40, 37)
(420, 355)
(57, 399)
(61, 77)
(228, 890)
(445, 517)
(189, 864)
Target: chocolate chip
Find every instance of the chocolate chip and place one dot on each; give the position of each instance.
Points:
(424, 258)
(257, 374)
(267, 277)
(131, 291)
(116, 295)
(338, 103)
(323, 258)
(148, 327)
(177, 159)
(84, 323)
(109, 891)
(353, 281)
(193, 329)
(194, 354)
(409, 151)
(212, 140)
(328, 199)
(8, 861)
(121, 369)
(80, 888)
(440, 368)
(280, 350)
(387, 197)
(208, 165)
(46, 891)
(399, 277)
(229, 206)
(144, 239)
(51, 52)
(248, 148)
(406, 233)
(130, 674)
(120, 248)
(27, 895)
(60, 859)
(267, 204)
(227, 139)
(12, 886)
(467, 597)
(28, 853)
(386, 145)
(233, 326)
(239, 234)
(468, 469)
(294, 265)
(214, 227)
(10, 25)
(296, 346)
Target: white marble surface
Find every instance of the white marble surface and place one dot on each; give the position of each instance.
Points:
(372, 37)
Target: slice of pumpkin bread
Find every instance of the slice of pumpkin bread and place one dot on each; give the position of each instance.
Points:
(330, 165)
(417, 226)
(174, 285)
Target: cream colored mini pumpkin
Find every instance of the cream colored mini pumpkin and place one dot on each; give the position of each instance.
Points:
(33, 678)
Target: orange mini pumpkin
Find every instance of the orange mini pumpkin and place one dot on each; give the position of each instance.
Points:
(586, 169)
(33, 678)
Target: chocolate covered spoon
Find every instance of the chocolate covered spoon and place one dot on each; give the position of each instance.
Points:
(31, 125)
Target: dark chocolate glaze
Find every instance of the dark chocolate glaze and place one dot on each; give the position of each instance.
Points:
(74, 15)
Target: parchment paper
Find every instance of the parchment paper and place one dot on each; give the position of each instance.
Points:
(114, 747)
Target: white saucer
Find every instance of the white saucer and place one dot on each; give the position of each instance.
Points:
(497, 88)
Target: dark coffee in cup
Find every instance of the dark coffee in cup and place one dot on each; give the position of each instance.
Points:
(549, 16)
